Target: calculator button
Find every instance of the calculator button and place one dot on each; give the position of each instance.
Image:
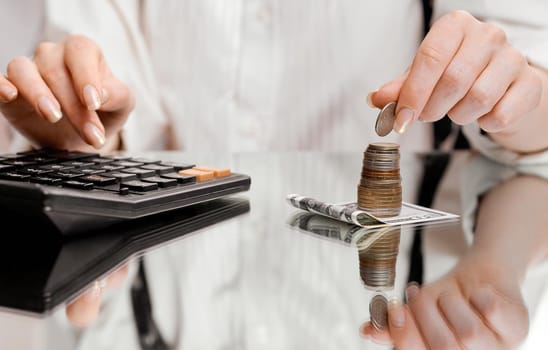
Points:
(78, 164)
(217, 172)
(56, 167)
(158, 169)
(117, 157)
(178, 166)
(145, 160)
(19, 163)
(139, 172)
(35, 171)
(14, 176)
(80, 185)
(121, 177)
(67, 174)
(101, 160)
(181, 179)
(98, 180)
(127, 164)
(6, 167)
(161, 181)
(70, 155)
(92, 171)
(109, 167)
(45, 180)
(141, 186)
(200, 175)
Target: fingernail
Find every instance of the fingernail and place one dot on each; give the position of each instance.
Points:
(91, 96)
(369, 99)
(482, 299)
(105, 96)
(94, 135)
(8, 93)
(396, 313)
(411, 292)
(49, 109)
(404, 117)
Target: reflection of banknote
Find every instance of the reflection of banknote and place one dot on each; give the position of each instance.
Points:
(349, 212)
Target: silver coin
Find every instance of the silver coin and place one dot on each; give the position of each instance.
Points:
(378, 311)
(386, 119)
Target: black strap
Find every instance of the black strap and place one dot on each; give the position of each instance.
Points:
(149, 335)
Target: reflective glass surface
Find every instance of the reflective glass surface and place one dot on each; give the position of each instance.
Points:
(253, 272)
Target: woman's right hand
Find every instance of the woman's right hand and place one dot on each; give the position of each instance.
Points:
(65, 97)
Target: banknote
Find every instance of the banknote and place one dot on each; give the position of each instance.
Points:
(350, 213)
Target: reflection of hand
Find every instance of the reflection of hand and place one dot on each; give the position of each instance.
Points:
(476, 306)
(84, 310)
(71, 76)
(468, 70)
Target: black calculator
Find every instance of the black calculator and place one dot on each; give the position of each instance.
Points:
(76, 192)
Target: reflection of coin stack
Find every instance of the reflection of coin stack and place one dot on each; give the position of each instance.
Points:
(378, 261)
(380, 190)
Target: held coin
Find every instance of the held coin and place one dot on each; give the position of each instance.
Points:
(378, 312)
(386, 119)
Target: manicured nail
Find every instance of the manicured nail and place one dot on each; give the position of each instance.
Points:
(396, 313)
(404, 117)
(369, 99)
(94, 135)
(8, 93)
(91, 96)
(482, 299)
(49, 109)
(411, 292)
(104, 95)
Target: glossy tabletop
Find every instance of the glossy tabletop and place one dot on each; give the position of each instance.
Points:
(267, 275)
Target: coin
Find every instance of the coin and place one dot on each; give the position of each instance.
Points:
(386, 119)
(378, 312)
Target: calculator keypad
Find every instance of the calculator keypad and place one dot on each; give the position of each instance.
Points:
(88, 171)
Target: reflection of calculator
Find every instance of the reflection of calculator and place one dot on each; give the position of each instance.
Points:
(76, 191)
(39, 275)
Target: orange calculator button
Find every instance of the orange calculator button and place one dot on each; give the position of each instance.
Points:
(199, 174)
(217, 172)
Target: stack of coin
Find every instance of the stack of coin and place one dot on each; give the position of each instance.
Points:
(380, 190)
(378, 260)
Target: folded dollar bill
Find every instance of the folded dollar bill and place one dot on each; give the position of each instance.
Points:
(350, 213)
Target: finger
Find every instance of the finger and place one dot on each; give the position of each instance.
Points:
(514, 105)
(24, 74)
(58, 78)
(489, 88)
(84, 310)
(466, 325)
(431, 324)
(402, 327)
(387, 93)
(8, 92)
(473, 56)
(118, 96)
(507, 318)
(433, 56)
(84, 61)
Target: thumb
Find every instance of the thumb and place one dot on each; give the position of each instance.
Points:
(387, 93)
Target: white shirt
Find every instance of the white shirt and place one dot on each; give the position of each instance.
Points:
(265, 74)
